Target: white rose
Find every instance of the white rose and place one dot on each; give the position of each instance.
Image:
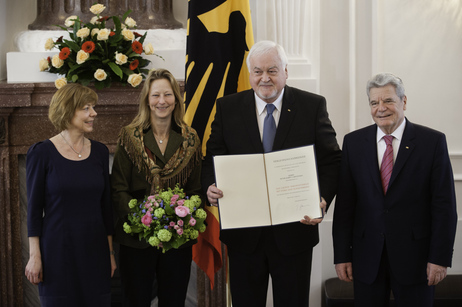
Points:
(130, 22)
(94, 31)
(120, 58)
(128, 35)
(43, 64)
(135, 79)
(69, 22)
(94, 20)
(103, 34)
(49, 44)
(82, 56)
(100, 74)
(97, 9)
(56, 61)
(148, 49)
(59, 83)
(84, 32)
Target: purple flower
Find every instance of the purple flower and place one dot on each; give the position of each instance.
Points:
(166, 227)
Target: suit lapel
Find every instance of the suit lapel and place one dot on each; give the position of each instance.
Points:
(288, 109)
(371, 156)
(250, 120)
(404, 152)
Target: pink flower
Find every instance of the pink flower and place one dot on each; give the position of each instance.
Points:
(146, 219)
(148, 205)
(182, 211)
(180, 202)
(176, 227)
(180, 223)
(172, 224)
(174, 199)
(152, 198)
(179, 231)
(192, 221)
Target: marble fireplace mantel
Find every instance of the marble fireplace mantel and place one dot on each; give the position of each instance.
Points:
(24, 121)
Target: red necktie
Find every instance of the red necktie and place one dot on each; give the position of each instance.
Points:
(387, 163)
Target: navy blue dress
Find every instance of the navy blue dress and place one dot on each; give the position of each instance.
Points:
(69, 208)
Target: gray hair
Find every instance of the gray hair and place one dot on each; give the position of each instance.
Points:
(384, 79)
(263, 47)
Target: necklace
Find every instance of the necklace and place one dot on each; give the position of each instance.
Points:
(78, 153)
(159, 139)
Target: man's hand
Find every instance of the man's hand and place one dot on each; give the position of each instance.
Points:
(309, 221)
(344, 271)
(435, 273)
(213, 194)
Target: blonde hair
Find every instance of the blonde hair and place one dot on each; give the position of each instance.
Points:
(143, 118)
(66, 101)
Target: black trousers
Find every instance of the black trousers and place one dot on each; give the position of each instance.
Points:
(139, 267)
(377, 294)
(249, 275)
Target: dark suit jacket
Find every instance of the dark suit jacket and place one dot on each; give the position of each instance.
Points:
(303, 121)
(415, 220)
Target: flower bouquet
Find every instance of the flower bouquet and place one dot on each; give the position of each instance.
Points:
(98, 54)
(167, 219)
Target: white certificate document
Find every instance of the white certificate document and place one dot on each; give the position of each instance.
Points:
(267, 189)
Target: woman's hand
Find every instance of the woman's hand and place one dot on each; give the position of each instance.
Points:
(34, 271)
(113, 265)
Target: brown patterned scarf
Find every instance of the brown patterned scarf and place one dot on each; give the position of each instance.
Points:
(178, 167)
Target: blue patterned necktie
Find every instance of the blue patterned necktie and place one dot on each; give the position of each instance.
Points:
(269, 128)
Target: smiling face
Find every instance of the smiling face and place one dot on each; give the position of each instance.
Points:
(267, 76)
(387, 109)
(161, 99)
(83, 118)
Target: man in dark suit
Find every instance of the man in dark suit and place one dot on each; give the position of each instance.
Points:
(301, 118)
(395, 213)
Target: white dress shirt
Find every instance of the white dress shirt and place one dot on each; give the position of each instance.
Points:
(382, 146)
(261, 111)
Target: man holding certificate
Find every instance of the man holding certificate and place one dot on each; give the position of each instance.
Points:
(269, 118)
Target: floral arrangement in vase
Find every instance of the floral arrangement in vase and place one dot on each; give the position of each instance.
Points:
(98, 54)
(167, 219)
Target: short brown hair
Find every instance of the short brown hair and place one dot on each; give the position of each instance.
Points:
(66, 101)
(143, 118)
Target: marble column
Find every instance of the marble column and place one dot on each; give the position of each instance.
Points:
(149, 14)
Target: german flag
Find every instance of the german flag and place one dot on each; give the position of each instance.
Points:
(219, 38)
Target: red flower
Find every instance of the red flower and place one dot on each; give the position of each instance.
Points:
(103, 18)
(49, 60)
(137, 34)
(59, 40)
(134, 64)
(112, 33)
(64, 54)
(137, 47)
(88, 47)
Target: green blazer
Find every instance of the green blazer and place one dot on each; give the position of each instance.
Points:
(128, 183)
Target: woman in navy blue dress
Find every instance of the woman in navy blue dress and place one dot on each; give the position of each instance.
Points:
(69, 216)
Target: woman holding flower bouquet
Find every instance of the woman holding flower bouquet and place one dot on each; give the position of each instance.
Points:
(69, 216)
(155, 152)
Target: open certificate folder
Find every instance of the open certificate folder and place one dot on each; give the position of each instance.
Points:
(267, 189)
